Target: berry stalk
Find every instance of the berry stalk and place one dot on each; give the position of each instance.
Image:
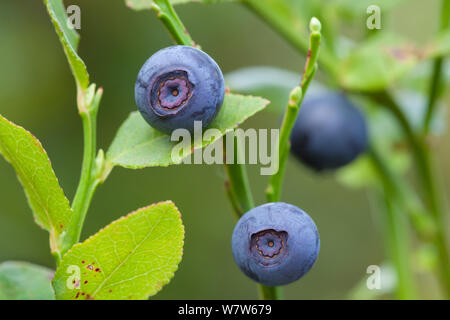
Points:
(273, 191)
(427, 178)
(88, 104)
(237, 187)
(396, 228)
(436, 77)
(167, 14)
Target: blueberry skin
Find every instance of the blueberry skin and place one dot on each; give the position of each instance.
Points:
(275, 243)
(329, 132)
(178, 85)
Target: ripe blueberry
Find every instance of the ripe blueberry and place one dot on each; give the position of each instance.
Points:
(275, 243)
(177, 86)
(330, 132)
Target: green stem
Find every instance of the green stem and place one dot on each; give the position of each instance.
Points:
(273, 191)
(271, 17)
(270, 293)
(395, 227)
(420, 150)
(419, 217)
(433, 93)
(167, 14)
(238, 186)
(424, 166)
(398, 247)
(240, 195)
(88, 103)
(296, 97)
(436, 76)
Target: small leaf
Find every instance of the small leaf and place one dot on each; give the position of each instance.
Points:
(30, 161)
(132, 258)
(25, 281)
(384, 58)
(138, 145)
(69, 39)
(378, 62)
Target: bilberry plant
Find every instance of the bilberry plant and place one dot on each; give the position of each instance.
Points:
(273, 243)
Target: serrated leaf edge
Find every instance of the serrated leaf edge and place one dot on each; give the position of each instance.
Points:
(91, 238)
(53, 230)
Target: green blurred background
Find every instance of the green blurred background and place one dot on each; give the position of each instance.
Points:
(37, 91)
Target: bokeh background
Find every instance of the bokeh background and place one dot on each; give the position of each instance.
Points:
(37, 91)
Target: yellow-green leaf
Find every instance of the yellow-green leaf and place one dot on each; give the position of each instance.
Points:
(138, 145)
(50, 206)
(132, 258)
(378, 62)
(69, 39)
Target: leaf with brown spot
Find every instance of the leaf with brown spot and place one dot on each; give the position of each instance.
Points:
(133, 256)
(378, 63)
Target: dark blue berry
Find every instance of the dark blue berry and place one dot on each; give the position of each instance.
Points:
(275, 244)
(177, 86)
(329, 133)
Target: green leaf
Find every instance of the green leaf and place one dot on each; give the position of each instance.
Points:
(138, 145)
(25, 281)
(132, 258)
(69, 39)
(378, 62)
(383, 59)
(30, 161)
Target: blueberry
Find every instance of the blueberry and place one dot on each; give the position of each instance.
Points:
(275, 243)
(329, 133)
(177, 86)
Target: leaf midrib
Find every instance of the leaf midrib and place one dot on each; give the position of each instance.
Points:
(105, 280)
